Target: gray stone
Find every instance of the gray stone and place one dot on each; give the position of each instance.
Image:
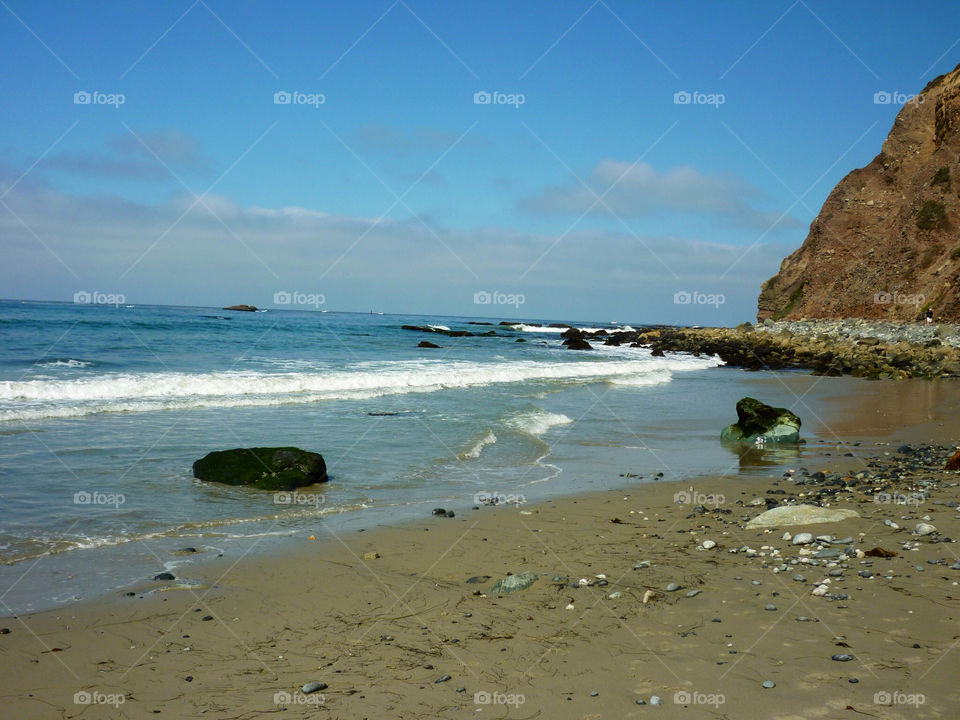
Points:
(800, 515)
(514, 583)
(312, 687)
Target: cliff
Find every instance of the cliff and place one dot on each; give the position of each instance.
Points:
(886, 244)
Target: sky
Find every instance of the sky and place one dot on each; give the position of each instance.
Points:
(582, 160)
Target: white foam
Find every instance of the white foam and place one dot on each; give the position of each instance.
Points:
(474, 451)
(142, 392)
(537, 422)
(69, 363)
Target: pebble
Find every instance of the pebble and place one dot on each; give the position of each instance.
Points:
(804, 538)
(656, 700)
(615, 595)
(642, 564)
(442, 678)
(842, 657)
(799, 578)
(164, 576)
(672, 587)
(692, 593)
(594, 694)
(770, 607)
(708, 544)
(924, 529)
(312, 687)
(769, 684)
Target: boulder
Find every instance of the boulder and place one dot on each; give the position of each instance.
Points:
(577, 344)
(427, 344)
(266, 468)
(799, 515)
(759, 422)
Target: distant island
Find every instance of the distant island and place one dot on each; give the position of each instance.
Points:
(243, 308)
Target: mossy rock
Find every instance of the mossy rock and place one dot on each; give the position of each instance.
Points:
(759, 421)
(265, 468)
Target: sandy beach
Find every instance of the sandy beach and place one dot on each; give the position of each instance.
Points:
(403, 622)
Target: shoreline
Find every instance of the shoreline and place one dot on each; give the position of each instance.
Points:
(382, 615)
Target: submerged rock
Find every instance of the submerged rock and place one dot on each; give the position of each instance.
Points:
(265, 468)
(761, 423)
(800, 515)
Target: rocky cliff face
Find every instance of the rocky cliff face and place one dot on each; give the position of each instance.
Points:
(886, 243)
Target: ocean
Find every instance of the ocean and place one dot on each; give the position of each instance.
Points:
(103, 410)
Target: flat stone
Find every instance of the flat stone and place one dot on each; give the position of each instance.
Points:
(312, 687)
(800, 515)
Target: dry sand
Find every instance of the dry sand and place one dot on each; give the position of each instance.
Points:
(381, 616)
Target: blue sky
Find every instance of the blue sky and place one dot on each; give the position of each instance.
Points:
(596, 197)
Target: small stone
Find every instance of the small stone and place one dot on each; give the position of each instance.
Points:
(656, 700)
(692, 593)
(842, 657)
(769, 684)
(164, 576)
(708, 544)
(770, 608)
(799, 578)
(615, 595)
(439, 511)
(312, 687)
(672, 587)
(442, 678)
(594, 694)
(803, 538)
(924, 529)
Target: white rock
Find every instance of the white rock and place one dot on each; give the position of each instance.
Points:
(787, 536)
(820, 590)
(615, 595)
(802, 539)
(799, 515)
(924, 529)
(648, 596)
(570, 606)
(708, 544)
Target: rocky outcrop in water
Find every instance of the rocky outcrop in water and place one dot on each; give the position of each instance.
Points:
(265, 468)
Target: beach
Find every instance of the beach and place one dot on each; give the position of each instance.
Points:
(404, 622)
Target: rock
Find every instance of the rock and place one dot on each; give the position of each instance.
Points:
(708, 544)
(842, 657)
(656, 700)
(313, 686)
(266, 468)
(769, 684)
(427, 344)
(243, 308)
(672, 587)
(692, 593)
(514, 583)
(800, 515)
(578, 344)
(757, 422)
(648, 596)
(924, 529)
(770, 608)
(439, 511)
(954, 462)
(164, 576)
(804, 538)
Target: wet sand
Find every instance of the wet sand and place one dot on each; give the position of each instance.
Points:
(383, 617)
